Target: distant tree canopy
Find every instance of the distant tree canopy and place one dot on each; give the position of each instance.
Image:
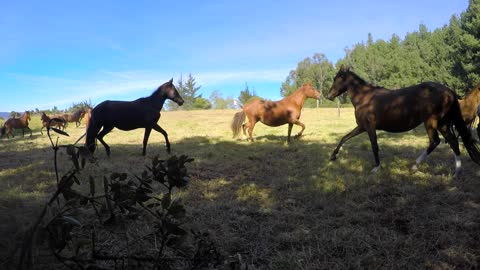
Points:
(246, 95)
(188, 91)
(220, 103)
(449, 55)
(316, 70)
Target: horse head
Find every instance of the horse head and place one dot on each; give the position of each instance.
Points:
(310, 91)
(172, 93)
(27, 115)
(341, 83)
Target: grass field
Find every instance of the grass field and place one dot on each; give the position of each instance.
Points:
(283, 206)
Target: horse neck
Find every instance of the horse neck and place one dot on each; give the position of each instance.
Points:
(24, 119)
(473, 98)
(298, 97)
(157, 100)
(358, 89)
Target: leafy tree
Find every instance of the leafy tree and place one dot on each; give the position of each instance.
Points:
(188, 91)
(467, 47)
(246, 95)
(220, 103)
(201, 103)
(316, 70)
(13, 114)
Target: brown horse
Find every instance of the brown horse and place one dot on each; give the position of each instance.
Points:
(274, 113)
(74, 117)
(46, 120)
(86, 118)
(15, 123)
(404, 109)
(470, 106)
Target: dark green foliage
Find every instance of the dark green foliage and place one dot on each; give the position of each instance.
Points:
(448, 55)
(188, 90)
(246, 95)
(316, 70)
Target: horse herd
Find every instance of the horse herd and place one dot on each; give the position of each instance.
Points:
(63, 120)
(376, 108)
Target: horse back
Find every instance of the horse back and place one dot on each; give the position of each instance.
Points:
(125, 115)
(404, 109)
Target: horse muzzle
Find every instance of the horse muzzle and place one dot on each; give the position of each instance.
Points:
(179, 102)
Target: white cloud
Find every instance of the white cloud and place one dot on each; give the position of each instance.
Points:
(45, 91)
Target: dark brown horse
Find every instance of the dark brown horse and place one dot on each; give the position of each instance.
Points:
(16, 123)
(274, 113)
(74, 117)
(129, 115)
(46, 120)
(401, 110)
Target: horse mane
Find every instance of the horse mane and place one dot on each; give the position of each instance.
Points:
(472, 91)
(161, 87)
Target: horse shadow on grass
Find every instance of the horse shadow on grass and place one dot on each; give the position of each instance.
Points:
(281, 205)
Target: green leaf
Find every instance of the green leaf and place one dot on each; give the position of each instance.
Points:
(166, 200)
(177, 210)
(59, 131)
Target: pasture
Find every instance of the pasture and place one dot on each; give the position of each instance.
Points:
(282, 206)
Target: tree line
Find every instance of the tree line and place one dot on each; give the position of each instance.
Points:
(449, 55)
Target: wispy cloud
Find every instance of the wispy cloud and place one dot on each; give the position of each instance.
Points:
(46, 91)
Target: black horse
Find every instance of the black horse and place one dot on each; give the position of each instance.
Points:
(129, 115)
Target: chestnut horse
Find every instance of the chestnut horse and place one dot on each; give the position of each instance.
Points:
(15, 123)
(86, 118)
(129, 115)
(470, 106)
(404, 109)
(274, 113)
(46, 120)
(74, 117)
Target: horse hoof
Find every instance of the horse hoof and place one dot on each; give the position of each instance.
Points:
(414, 167)
(333, 158)
(375, 169)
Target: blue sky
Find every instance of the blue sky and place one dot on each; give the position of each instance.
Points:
(54, 53)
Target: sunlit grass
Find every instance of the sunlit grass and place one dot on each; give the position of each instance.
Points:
(279, 204)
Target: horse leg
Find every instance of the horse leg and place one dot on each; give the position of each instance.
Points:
(351, 134)
(290, 126)
(434, 142)
(145, 139)
(244, 128)
(105, 130)
(250, 129)
(164, 133)
(453, 142)
(298, 123)
(372, 134)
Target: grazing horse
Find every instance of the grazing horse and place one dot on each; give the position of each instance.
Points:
(15, 123)
(46, 121)
(404, 109)
(274, 113)
(129, 115)
(74, 117)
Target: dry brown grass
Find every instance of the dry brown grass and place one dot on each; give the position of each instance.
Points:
(285, 206)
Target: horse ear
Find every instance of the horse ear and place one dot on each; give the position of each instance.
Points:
(171, 81)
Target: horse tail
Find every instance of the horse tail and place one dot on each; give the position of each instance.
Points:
(468, 141)
(237, 122)
(92, 131)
